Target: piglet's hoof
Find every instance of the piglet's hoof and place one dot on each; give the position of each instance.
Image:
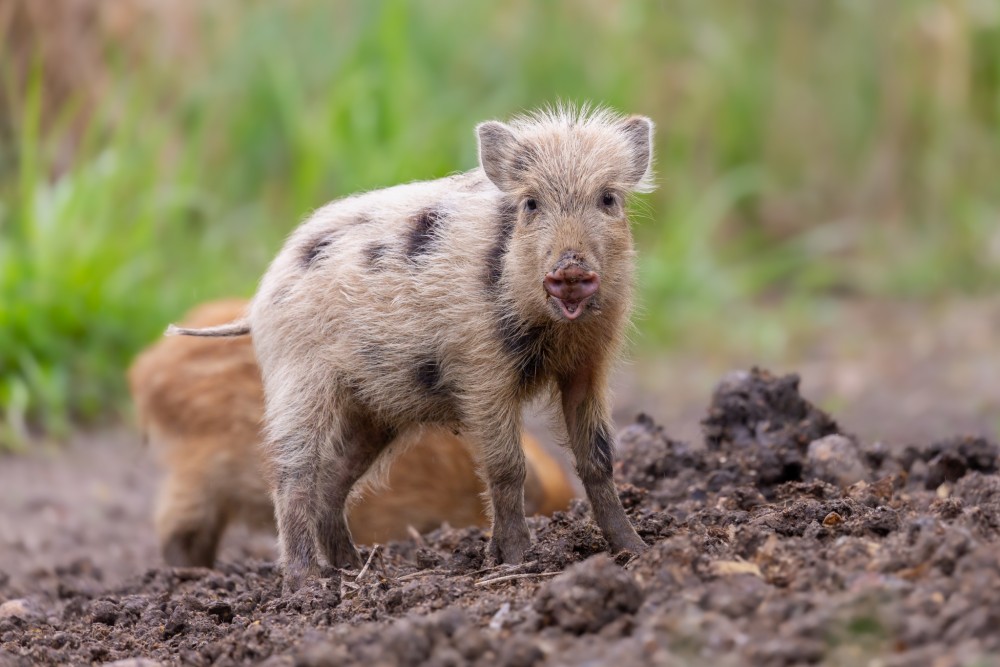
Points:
(510, 553)
(629, 547)
(294, 578)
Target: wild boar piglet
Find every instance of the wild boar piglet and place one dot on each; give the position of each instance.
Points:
(453, 302)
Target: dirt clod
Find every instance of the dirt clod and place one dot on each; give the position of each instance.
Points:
(588, 596)
(762, 420)
(104, 611)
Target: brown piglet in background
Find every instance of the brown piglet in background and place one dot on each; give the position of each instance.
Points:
(200, 404)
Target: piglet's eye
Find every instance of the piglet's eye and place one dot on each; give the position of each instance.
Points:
(530, 205)
(608, 200)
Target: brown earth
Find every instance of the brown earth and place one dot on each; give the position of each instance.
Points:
(781, 539)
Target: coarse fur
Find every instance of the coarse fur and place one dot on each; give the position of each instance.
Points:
(200, 403)
(476, 307)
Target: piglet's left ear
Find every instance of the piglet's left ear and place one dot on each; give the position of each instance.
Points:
(497, 147)
(638, 133)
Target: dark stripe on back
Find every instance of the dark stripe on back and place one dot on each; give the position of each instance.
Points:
(316, 249)
(375, 253)
(423, 232)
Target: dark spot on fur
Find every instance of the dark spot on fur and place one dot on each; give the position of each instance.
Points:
(375, 253)
(423, 232)
(601, 451)
(506, 219)
(526, 345)
(316, 249)
(430, 376)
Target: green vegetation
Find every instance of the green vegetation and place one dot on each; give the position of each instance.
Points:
(803, 148)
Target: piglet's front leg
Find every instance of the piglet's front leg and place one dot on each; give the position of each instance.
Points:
(590, 437)
(496, 435)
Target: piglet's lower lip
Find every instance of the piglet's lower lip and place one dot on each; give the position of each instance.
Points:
(572, 309)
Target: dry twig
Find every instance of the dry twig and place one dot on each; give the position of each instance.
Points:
(510, 577)
(375, 550)
(421, 573)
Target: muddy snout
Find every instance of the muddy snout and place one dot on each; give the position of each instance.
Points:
(572, 286)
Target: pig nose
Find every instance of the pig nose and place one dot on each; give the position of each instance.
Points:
(571, 283)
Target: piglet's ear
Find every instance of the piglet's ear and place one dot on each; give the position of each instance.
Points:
(497, 148)
(638, 132)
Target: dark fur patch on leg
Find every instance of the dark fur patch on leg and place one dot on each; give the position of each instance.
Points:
(526, 345)
(422, 233)
(506, 219)
(375, 255)
(601, 450)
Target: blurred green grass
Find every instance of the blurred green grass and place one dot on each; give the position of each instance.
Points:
(804, 149)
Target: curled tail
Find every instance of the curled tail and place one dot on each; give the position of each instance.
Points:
(239, 327)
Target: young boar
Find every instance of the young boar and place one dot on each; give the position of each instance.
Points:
(200, 403)
(453, 302)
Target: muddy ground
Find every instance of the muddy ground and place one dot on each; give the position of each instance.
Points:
(779, 538)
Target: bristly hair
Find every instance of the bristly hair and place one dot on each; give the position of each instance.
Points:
(568, 114)
(565, 114)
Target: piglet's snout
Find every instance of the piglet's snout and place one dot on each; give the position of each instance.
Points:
(572, 283)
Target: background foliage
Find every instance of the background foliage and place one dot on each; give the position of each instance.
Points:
(154, 154)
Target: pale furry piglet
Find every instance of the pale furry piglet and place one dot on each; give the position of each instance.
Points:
(453, 301)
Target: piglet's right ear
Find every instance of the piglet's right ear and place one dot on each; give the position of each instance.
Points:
(497, 148)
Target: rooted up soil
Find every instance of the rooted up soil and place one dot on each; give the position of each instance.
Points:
(782, 540)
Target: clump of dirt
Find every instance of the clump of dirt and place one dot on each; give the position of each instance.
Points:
(588, 596)
(782, 541)
(764, 426)
(950, 459)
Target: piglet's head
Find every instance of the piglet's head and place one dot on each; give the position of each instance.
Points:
(566, 175)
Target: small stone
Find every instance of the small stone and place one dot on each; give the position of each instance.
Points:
(835, 459)
(221, 610)
(18, 608)
(134, 662)
(833, 519)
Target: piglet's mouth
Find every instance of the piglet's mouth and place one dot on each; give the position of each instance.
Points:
(572, 308)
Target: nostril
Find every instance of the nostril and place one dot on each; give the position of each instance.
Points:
(571, 283)
(589, 284)
(553, 285)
